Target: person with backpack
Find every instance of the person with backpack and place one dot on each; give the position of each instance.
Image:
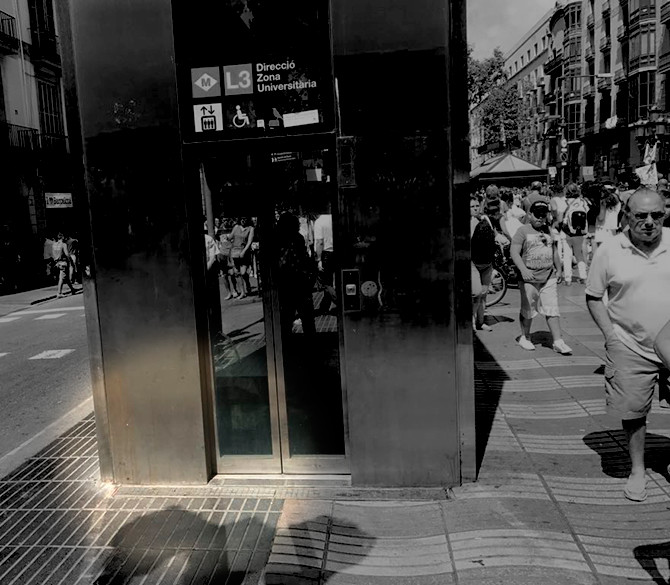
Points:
(534, 251)
(575, 227)
(483, 247)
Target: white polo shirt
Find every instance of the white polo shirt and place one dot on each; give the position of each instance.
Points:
(637, 286)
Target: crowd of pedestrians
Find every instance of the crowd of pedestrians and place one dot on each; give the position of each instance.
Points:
(616, 241)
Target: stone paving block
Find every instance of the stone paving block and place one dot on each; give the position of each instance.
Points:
(526, 576)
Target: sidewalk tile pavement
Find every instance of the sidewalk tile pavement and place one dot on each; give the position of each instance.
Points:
(547, 507)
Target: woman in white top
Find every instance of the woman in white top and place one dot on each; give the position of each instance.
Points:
(607, 222)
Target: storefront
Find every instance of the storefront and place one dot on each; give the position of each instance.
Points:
(322, 147)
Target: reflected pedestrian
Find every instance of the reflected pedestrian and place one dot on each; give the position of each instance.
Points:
(296, 276)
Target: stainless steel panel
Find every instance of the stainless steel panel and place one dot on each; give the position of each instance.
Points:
(404, 143)
(142, 249)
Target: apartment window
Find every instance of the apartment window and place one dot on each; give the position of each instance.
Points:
(521, 60)
(544, 43)
(641, 5)
(643, 46)
(536, 50)
(50, 108)
(573, 116)
(642, 94)
(573, 16)
(528, 55)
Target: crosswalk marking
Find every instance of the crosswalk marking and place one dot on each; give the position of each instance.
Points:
(51, 354)
(8, 319)
(40, 311)
(50, 316)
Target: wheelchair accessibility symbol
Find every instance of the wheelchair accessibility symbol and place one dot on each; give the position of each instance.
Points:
(240, 119)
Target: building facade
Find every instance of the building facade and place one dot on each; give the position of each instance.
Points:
(595, 91)
(33, 139)
(606, 86)
(524, 65)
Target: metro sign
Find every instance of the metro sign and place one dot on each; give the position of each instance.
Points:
(206, 82)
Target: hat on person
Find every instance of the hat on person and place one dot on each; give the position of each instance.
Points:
(539, 209)
(492, 192)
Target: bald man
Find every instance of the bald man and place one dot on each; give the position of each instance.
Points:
(634, 269)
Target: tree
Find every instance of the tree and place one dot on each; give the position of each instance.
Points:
(499, 101)
(484, 75)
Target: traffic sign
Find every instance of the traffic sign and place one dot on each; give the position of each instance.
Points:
(564, 156)
(206, 82)
(208, 117)
(564, 143)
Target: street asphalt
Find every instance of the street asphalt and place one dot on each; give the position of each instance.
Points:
(44, 368)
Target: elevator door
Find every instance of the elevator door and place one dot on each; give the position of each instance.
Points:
(273, 311)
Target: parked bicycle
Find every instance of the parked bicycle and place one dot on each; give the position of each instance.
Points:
(504, 275)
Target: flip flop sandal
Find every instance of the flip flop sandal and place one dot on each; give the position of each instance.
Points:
(635, 496)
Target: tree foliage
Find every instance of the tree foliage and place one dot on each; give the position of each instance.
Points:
(500, 102)
(484, 75)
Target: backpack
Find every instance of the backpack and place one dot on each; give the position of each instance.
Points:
(574, 220)
(483, 243)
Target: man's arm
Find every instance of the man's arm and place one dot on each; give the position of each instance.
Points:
(598, 311)
(662, 344)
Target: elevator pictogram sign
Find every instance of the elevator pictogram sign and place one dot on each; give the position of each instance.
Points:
(208, 117)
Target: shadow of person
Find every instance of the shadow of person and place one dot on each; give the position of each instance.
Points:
(173, 540)
(612, 446)
(647, 554)
(315, 551)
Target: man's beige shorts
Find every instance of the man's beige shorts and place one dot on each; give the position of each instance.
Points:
(630, 380)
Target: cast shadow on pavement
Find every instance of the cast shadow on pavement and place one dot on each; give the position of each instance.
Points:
(179, 547)
(341, 542)
(612, 446)
(647, 554)
(488, 389)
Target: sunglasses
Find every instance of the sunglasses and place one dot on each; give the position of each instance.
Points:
(655, 215)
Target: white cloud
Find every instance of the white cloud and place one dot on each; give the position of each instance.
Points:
(501, 23)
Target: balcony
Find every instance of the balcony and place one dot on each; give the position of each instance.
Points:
(619, 76)
(573, 31)
(604, 83)
(589, 90)
(9, 42)
(606, 8)
(553, 63)
(23, 139)
(664, 62)
(45, 50)
(590, 21)
(622, 33)
(642, 61)
(605, 43)
(665, 13)
(589, 54)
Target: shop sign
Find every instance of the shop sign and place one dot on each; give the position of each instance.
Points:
(552, 171)
(58, 200)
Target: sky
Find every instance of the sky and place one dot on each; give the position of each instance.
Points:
(501, 23)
